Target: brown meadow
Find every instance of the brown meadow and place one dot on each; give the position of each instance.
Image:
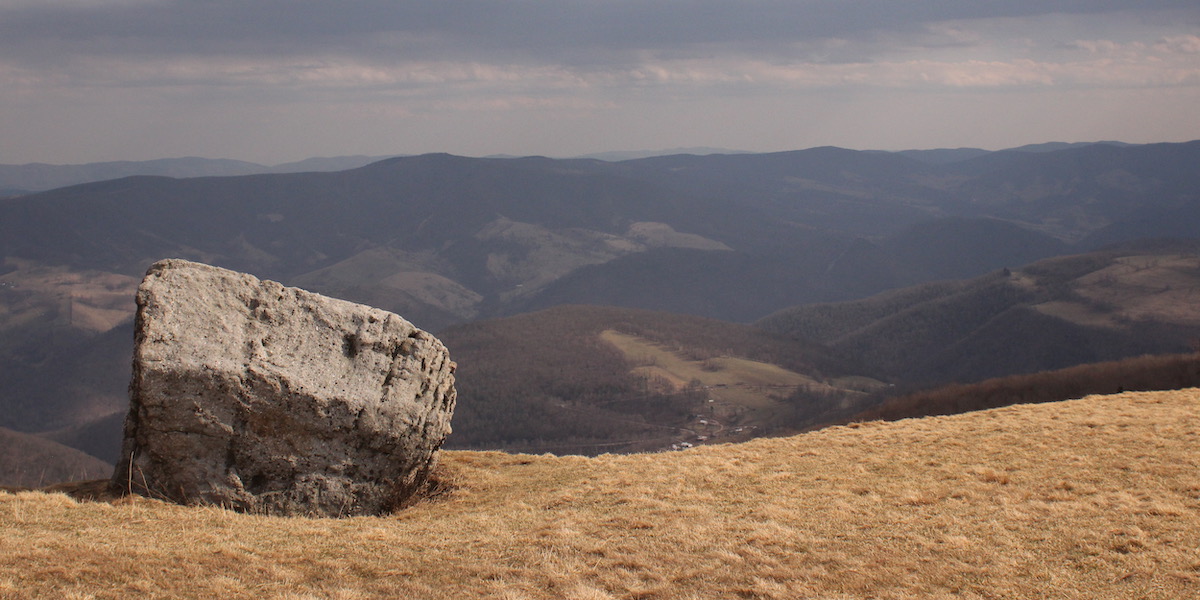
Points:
(1093, 498)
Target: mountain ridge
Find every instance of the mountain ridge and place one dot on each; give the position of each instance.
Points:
(39, 176)
(1050, 314)
(447, 240)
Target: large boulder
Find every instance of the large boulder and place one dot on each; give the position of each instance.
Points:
(268, 399)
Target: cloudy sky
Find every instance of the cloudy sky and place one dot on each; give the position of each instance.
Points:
(278, 80)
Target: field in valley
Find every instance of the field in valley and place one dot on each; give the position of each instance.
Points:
(1135, 288)
(89, 300)
(743, 395)
(1092, 498)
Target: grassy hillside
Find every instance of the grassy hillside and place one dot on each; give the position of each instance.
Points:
(1093, 498)
(1051, 314)
(444, 239)
(588, 379)
(1143, 373)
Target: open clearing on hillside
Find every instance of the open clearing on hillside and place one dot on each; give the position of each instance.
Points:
(741, 392)
(1096, 498)
(1135, 288)
(729, 379)
(91, 300)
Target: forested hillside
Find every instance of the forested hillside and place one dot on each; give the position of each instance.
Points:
(452, 243)
(552, 381)
(1142, 373)
(1050, 314)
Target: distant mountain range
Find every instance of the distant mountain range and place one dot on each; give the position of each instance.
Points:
(36, 177)
(895, 268)
(448, 239)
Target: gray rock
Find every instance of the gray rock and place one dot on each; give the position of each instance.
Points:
(262, 398)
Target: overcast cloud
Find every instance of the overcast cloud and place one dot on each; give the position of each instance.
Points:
(278, 80)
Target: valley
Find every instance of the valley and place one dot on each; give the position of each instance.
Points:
(598, 306)
(92, 301)
(740, 397)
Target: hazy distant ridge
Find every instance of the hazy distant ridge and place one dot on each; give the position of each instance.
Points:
(34, 177)
(40, 176)
(444, 239)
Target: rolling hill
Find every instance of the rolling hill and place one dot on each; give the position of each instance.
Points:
(37, 177)
(1051, 314)
(1140, 373)
(32, 461)
(1091, 498)
(493, 227)
(587, 380)
(593, 379)
(447, 241)
(489, 234)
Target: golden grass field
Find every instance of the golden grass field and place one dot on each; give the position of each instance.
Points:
(1096, 498)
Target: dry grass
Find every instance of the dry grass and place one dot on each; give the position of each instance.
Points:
(1096, 498)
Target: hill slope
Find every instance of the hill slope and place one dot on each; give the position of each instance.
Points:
(589, 379)
(1093, 498)
(484, 233)
(33, 461)
(442, 240)
(1051, 314)
(40, 176)
(572, 379)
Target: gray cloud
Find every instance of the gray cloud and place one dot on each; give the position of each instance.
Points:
(171, 77)
(564, 30)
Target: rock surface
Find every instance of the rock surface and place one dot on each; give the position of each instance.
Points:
(268, 399)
